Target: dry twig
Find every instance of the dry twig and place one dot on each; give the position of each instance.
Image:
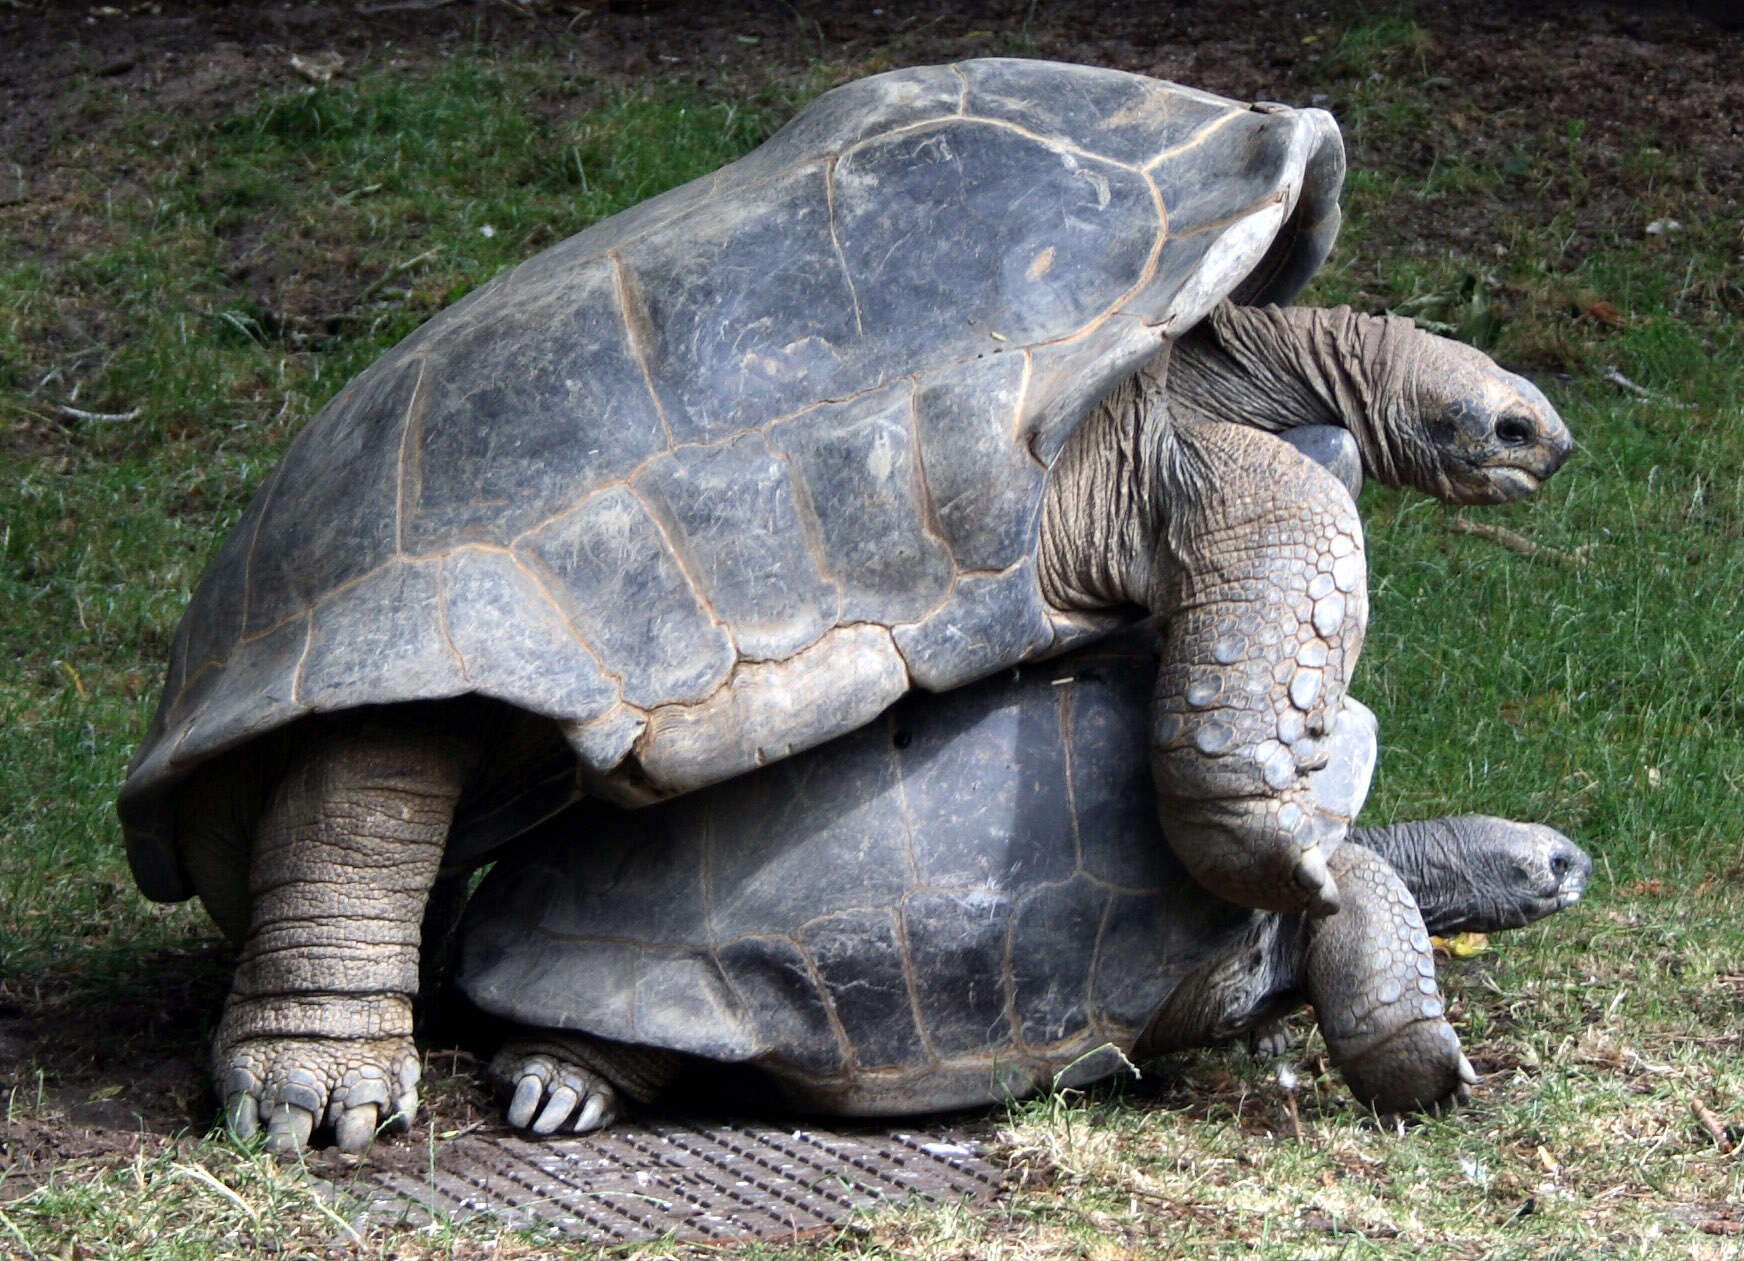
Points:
(74, 413)
(1519, 542)
(374, 287)
(1713, 1125)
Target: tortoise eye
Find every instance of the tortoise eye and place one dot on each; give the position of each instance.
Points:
(1515, 431)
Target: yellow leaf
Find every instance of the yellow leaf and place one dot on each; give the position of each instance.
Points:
(1463, 946)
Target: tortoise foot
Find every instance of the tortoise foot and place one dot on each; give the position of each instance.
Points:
(1371, 977)
(549, 1091)
(1418, 1069)
(1271, 1040)
(291, 1087)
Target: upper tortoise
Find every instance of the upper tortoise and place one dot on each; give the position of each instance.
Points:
(963, 365)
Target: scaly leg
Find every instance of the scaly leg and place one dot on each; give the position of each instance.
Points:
(1371, 978)
(1264, 577)
(317, 1029)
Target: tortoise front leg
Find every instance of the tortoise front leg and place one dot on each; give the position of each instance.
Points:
(1371, 976)
(1263, 575)
(317, 1029)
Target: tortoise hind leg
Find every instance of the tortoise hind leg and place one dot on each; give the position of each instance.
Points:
(317, 1029)
(571, 1081)
(1371, 978)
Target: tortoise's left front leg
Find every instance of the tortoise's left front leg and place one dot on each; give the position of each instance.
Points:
(1371, 976)
(317, 1030)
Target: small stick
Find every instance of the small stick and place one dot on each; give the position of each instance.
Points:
(408, 4)
(74, 413)
(1615, 377)
(371, 290)
(1518, 542)
(1713, 1126)
(1287, 1081)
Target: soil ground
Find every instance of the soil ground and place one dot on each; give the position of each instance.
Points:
(129, 1054)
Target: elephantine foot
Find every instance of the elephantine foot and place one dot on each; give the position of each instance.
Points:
(548, 1091)
(292, 1087)
(1270, 1041)
(1418, 1069)
(1371, 977)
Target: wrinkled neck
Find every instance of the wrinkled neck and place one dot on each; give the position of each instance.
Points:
(1275, 368)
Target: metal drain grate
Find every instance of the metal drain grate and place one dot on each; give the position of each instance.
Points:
(703, 1180)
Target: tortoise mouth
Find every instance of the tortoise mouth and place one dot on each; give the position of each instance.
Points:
(1499, 484)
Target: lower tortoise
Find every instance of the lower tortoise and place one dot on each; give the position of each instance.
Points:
(964, 366)
(964, 902)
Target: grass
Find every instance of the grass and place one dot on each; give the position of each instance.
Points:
(246, 268)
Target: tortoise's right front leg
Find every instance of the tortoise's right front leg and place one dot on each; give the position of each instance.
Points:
(317, 1029)
(1265, 583)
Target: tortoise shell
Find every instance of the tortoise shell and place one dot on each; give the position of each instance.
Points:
(723, 476)
(965, 901)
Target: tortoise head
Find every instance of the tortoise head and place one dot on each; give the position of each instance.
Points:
(1466, 430)
(1511, 874)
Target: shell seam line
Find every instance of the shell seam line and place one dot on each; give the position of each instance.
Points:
(962, 89)
(1246, 212)
(708, 907)
(900, 907)
(1092, 1009)
(442, 621)
(1050, 142)
(1197, 138)
(902, 803)
(743, 664)
(1016, 437)
(957, 576)
(929, 519)
(690, 580)
(267, 493)
(905, 954)
(811, 529)
(303, 657)
(845, 1044)
(1062, 701)
(539, 585)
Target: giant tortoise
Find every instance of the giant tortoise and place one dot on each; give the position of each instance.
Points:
(965, 901)
(964, 365)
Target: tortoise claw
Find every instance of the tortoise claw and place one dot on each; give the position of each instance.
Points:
(549, 1093)
(1314, 876)
(288, 1129)
(524, 1105)
(598, 1112)
(559, 1104)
